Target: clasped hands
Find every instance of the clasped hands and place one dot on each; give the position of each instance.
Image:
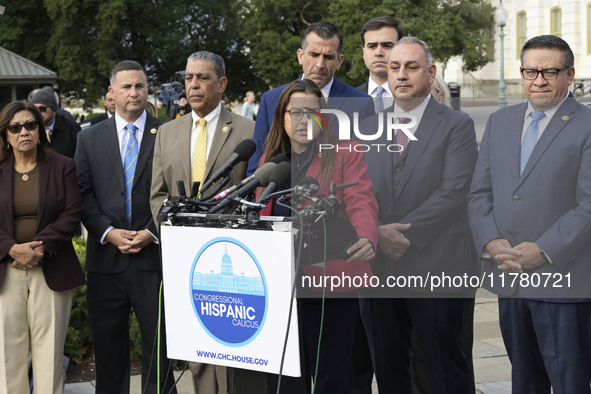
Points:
(519, 258)
(128, 241)
(27, 255)
(391, 241)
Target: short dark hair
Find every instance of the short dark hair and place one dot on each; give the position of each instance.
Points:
(379, 22)
(549, 41)
(6, 116)
(126, 65)
(324, 30)
(216, 61)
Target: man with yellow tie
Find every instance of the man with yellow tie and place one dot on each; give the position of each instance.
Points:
(192, 148)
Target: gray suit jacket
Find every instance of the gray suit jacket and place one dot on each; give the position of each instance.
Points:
(430, 193)
(172, 156)
(549, 204)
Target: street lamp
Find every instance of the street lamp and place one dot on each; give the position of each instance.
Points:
(501, 21)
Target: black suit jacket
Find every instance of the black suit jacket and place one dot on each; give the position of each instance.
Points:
(58, 218)
(101, 180)
(63, 137)
(98, 118)
(364, 86)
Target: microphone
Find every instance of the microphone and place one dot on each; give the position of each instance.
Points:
(280, 176)
(242, 152)
(280, 158)
(195, 189)
(180, 185)
(260, 178)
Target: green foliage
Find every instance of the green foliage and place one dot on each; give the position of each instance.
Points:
(79, 338)
(273, 31)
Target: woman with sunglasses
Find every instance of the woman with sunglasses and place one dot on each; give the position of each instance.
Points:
(40, 210)
(328, 366)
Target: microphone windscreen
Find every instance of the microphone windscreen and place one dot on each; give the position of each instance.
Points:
(245, 149)
(281, 174)
(309, 181)
(264, 172)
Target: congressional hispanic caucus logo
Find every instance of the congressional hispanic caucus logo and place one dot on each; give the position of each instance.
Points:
(228, 291)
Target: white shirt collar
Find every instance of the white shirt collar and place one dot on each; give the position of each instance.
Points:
(417, 112)
(372, 86)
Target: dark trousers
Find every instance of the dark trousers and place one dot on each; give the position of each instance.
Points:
(548, 344)
(439, 325)
(110, 298)
(332, 373)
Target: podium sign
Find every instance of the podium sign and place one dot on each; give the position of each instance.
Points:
(227, 295)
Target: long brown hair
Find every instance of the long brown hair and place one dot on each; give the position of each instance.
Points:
(6, 116)
(278, 141)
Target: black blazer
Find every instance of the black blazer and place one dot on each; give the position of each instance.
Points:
(364, 86)
(57, 220)
(63, 138)
(98, 118)
(101, 180)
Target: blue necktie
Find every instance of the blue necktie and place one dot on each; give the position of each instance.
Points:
(379, 100)
(529, 139)
(129, 163)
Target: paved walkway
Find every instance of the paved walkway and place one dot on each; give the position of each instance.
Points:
(491, 365)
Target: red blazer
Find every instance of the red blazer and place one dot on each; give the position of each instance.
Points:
(58, 218)
(358, 204)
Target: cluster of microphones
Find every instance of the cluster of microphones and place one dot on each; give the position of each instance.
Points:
(272, 176)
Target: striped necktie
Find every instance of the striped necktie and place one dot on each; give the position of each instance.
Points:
(379, 99)
(199, 153)
(129, 163)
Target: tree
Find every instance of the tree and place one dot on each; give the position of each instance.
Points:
(83, 39)
(273, 31)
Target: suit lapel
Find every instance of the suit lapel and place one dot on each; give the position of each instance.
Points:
(6, 180)
(563, 115)
(111, 146)
(44, 171)
(222, 131)
(512, 139)
(146, 149)
(431, 118)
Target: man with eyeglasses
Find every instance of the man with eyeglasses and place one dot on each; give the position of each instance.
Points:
(530, 214)
(61, 131)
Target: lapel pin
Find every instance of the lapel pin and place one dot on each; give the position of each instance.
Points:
(153, 131)
(565, 118)
(226, 129)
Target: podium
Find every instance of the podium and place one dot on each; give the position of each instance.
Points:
(227, 296)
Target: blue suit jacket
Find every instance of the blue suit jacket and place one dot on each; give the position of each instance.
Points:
(267, 110)
(431, 195)
(549, 204)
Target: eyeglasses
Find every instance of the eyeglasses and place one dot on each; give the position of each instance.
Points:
(548, 73)
(298, 113)
(16, 128)
(42, 108)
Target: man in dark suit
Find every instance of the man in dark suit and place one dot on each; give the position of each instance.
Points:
(320, 56)
(109, 103)
(378, 36)
(61, 131)
(122, 258)
(177, 156)
(530, 213)
(423, 228)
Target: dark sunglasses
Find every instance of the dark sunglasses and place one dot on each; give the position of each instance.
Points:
(16, 128)
(42, 108)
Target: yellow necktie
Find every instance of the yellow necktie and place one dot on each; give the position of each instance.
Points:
(199, 153)
(48, 132)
